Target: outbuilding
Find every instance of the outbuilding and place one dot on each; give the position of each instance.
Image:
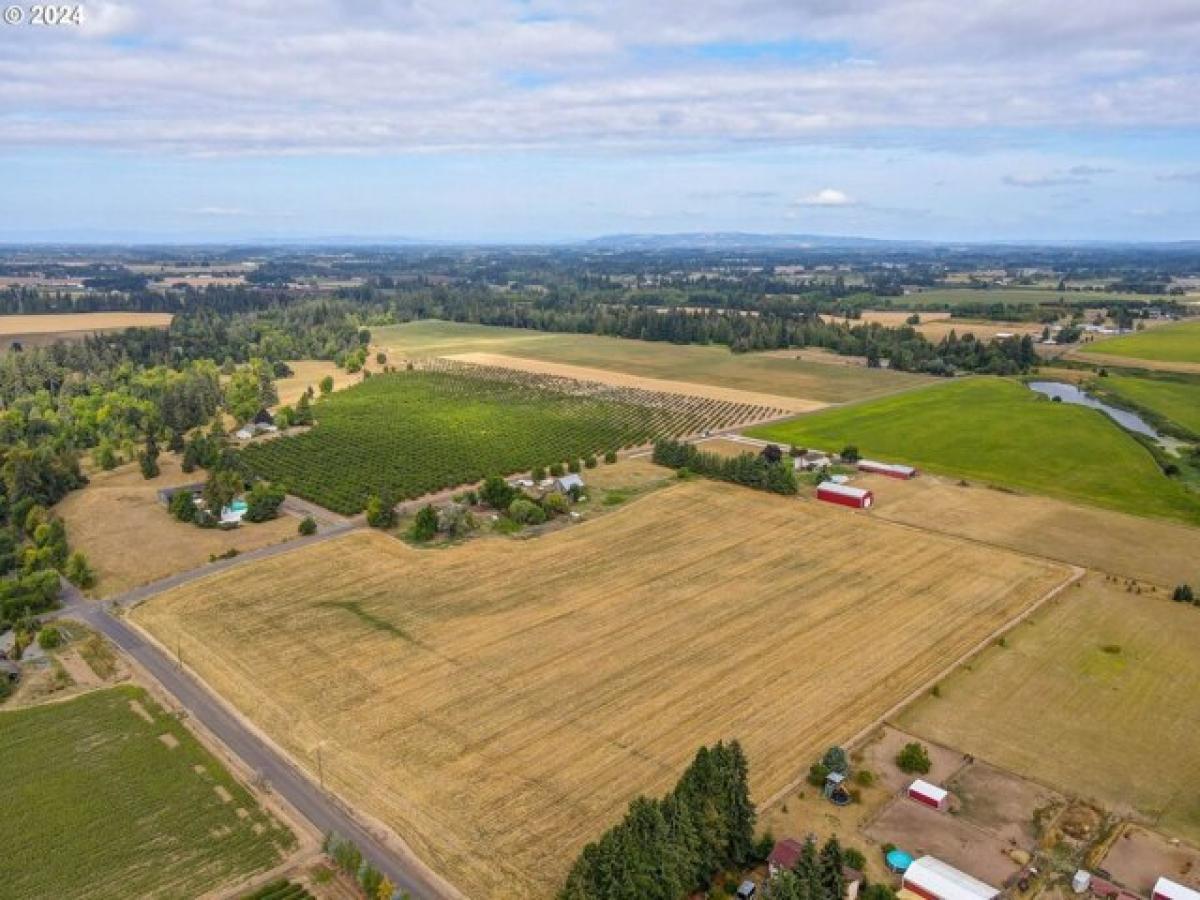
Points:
(929, 794)
(784, 856)
(935, 880)
(845, 495)
(891, 470)
(1166, 889)
(811, 460)
(564, 483)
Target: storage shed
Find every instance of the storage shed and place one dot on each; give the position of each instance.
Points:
(935, 880)
(929, 794)
(845, 495)
(1166, 889)
(891, 470)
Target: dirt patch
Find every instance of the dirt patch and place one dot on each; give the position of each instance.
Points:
(1003, 804)
(81, 673)
(879, 755)
(141, 711)
(1139, 856)
(620, 379)
(921, 830)
(169, 739)
(223, 793)
(308, 373)
(727, 447)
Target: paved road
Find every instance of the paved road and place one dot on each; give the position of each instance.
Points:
(283, 777)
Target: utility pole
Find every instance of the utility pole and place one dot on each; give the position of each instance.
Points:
(320, 768)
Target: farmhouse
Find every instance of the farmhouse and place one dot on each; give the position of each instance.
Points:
(845, 495)
(784, 855)
(929, 794)
(935, 880)
(1166, 889)
(891, 470)
(564, 483)
(811, 460)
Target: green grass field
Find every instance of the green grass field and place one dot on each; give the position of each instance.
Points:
(997, 431)
(1100, 680)
(713, 365)
(1177, 399)
(414, 432)
(98, 805)
(1170, 343)
(939, 297)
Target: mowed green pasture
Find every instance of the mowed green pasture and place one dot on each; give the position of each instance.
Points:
(713, 365)
(1169, 343)
(415, 432)
(940, 297)
(998, 431)
(1177, 400)
(1095, 696)
(97, 805)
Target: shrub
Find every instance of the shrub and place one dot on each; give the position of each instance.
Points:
(1183, 594)
(556, 470)
(610, 457)
(555, 504)
(263, 501)
(864, 778)
(573, 466)
(308, 525)
(455, 520)
(497, 493)
(49, 638)
(590, 462)
(850, 453)
(526, 512)
(913, 758)
(183, 506)
(836, 760)
(79, 572)
(817, 773)
(326, 384)
(381, 511)
(425, 525)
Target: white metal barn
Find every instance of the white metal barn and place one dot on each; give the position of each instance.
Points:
(1166, 889)
(935, 880)
(929, 794)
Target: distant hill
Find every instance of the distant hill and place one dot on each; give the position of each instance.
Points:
(736, 240)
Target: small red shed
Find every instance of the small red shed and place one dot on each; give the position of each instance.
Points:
(845, 495)
(929, 794)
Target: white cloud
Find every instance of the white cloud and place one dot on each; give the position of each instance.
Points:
(826, 197)
(1042, 181)
(228, 76)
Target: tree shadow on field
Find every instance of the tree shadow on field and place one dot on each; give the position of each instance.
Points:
(371, 620)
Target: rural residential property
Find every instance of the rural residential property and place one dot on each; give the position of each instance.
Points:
(600, 451)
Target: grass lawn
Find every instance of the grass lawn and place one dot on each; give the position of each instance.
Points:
(1177, 400)
(1171, 343)
(1009, 296)
(712, 365)
(998, 431)
(108, 796)
(1096, 697)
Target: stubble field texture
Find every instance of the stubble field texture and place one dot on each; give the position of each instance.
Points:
(499, 703)
(107, 796)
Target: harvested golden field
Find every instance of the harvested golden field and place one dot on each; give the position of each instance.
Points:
(1100, 683)
(1112, 361)
(984, 331)
(1166, 553)
(499, 703)
(130, 538)
(309, 372)
(620, 379)
(76, 323)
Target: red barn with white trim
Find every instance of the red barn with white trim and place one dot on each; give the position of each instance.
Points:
(1166, 889)
(845, 495)
(935, 880)
(891, 470)
(929, 794)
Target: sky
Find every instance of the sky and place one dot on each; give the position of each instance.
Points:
(555, 120)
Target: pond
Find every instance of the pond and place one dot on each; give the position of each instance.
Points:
(1069, 393)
